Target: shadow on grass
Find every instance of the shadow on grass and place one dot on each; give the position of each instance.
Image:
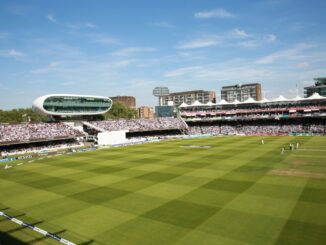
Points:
(37, 240)
(6, 238)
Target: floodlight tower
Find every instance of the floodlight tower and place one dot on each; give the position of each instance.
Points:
(159, 92)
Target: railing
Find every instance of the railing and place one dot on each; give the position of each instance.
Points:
(254, 117)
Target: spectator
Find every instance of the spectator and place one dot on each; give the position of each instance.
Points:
(135, 125)
(35, 131)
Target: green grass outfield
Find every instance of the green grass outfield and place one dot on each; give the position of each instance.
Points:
(238, 191)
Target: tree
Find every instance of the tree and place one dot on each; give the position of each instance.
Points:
(120, 110)
(20, 115)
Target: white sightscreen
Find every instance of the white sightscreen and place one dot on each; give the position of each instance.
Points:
(111, 138)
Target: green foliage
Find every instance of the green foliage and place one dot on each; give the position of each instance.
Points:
(120, 110)
(117, 111)
(20, 115)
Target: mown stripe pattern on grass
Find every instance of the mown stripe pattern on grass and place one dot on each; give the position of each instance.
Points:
(163, 193)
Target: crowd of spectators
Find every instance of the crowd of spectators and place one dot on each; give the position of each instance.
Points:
(39, 147)
(307, 111)
(232, 111)
(318, 129)
(135, 125)
(35, 131)
(20, 136)
(258, 129)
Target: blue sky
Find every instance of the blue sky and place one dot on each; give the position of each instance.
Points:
(128, 47)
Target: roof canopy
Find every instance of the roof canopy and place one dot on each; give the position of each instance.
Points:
(184, 105)
(209, 103)
(223, 102)
(265, 100)
(250, 100)
(296, 98)
(315, 96)
(280, 99)
(236, 101)
(196, 103)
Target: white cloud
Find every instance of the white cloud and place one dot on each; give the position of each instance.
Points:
(132, 50)
(307, 83)
(238, 33)
(249, 44)
(252, 41)
(89, 25)
(226, 72)
(68, 83)
(200, 43)
(51, 18)
(101, 38)
(123, 63)
(242, 70)
(286, 54)
(162, 24)
(215, 13)
(303, 65)
(49, 68)
(229, 38)
(13, 53)
(270, 38)
(182, 71)
(232, 38)
(54, 64)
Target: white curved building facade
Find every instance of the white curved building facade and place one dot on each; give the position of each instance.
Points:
(69, 105)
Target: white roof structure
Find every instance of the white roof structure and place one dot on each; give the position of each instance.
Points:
(280, 98)
(183, 105)
(236, 102)
(196, 103)
(265, 100)
(297, 98)
(209, 103)
(250, 100)
(315, 96)
(223, 102)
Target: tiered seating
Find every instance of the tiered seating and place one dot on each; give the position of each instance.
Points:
(135, 125)
(257, 129)
(33, 132)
